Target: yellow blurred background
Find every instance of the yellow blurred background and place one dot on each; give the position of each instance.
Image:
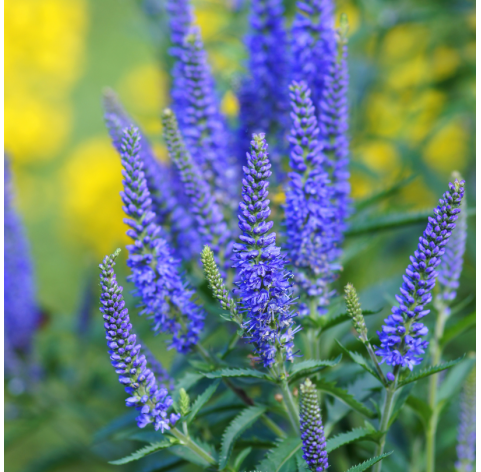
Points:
(413, 88)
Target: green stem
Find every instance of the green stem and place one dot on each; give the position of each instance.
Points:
(385, 416)
(195, 448)
(312, 333)
(289, 403)
(231, 346)
(376, 363)
(435, 350)
(240, 392)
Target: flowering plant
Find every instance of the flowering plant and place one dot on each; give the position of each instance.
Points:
(246, 291)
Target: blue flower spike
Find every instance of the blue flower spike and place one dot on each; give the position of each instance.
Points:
(264, 286)
(402, 336)
(126, 357)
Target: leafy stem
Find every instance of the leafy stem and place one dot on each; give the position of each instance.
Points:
(436, 351)
(240, 392)
(195, 448)
(385, 416)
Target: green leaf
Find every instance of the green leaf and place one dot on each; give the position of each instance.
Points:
(306, 368)
(383, 194)
(237, 373)
(189, 456)
(241, 457)
(188, 380)
(457, 328)
(345, 397)
(399, 403)
(239, 424)
(342, 318)
(428, 371)
(365, 465)
(454, 380)
(346, 438)
(421, 408)
(360, 360)
(301, 463)
(145, 451)
(392, 220)
(201, 365)
(275, 459)
(201, 400)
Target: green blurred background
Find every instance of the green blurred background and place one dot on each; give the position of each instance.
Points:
(412, 67)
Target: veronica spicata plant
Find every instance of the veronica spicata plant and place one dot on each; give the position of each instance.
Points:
(251, 333)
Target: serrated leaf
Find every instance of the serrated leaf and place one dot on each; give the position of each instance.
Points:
(201, 400)
(421, 408)
(255, 374)
(457, 328)
(346, 438)
(145, 451)
(392, 220)
(239, 424)
(429, 371)
(309, 367)
(275, 459)
(241, 457)
(343, 317)
(366, 464)
(345, 397)
(359, 360)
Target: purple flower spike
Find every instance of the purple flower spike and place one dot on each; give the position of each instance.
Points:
(310, 213)
(452, 263)
(263, 282)
(210, 221)
(263, 95)
(155, 273)
(313, 44)
(200, 119)
(312, 431)
(130, 364)
(169, 202)
(333, 124)
(21, 313)
(401, 336)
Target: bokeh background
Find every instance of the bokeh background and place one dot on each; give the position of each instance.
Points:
(412, 67)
